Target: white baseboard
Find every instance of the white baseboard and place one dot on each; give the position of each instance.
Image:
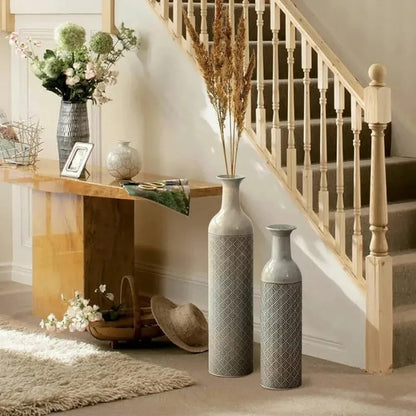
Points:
(181, 289)
(22, 274)
(5, 272)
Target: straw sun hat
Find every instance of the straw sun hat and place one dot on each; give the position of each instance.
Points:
(184, 325)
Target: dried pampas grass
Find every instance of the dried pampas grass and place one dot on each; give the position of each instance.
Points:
(227, 80)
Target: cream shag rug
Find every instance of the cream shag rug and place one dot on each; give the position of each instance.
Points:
(40, 374)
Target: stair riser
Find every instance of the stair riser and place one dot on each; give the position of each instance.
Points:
(283, 68)
(299, 99)
(401, 234)
(404, 341)
(393, 171)
(404, 284)
(331, 140)
(267, 34)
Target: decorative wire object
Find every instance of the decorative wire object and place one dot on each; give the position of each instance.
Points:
(20, 142)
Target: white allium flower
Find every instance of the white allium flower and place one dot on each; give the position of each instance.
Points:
(77, 65)
(102, 288)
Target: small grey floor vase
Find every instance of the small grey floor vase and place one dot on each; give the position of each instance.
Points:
(72, 127)
(230, 282)
(281, 315)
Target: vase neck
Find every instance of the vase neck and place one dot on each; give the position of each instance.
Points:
(230, 192)
(281, 241)
(281, 248)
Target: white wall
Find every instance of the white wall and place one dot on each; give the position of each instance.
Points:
(5, 189)
(160, 104)
(178, 135)
(364, 32)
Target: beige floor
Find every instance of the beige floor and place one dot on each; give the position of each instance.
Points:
(328, 389)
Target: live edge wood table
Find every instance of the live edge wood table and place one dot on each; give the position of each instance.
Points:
(83, 231)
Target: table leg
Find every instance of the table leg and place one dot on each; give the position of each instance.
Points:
(79, 242)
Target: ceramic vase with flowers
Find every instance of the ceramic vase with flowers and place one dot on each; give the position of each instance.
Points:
(230, 232)
(77, 71)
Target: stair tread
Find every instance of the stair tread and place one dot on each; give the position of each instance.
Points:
(390, 160)
(403, 257)
(404, 314)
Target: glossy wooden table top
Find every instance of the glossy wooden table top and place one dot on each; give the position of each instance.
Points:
(46, 177)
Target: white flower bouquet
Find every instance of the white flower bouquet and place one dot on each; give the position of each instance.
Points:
(80, 313)
(76, 70)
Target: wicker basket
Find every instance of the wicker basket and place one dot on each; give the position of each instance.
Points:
(138, 324)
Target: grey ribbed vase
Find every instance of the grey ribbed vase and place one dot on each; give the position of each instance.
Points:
(230, 284)
(281, 315)
(72, 127)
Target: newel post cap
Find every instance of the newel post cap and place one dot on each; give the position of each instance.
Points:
(377, 97)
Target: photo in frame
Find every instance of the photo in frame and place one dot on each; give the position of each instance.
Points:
(77, 160)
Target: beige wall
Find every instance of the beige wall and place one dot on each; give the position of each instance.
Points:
(5, 190)
(362, 32)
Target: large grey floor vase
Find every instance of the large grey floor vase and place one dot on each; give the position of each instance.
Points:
(230, 271)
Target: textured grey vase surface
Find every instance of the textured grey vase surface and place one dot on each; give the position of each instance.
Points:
(230, 283)
(72, 127)
(123, 162)
(281, 315)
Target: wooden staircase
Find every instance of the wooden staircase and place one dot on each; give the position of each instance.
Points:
(330, 140)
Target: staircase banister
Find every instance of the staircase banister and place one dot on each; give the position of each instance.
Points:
(319, 45)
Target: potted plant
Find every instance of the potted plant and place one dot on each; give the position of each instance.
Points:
(77, 71)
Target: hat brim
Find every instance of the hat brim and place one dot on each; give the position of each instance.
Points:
(161, 307)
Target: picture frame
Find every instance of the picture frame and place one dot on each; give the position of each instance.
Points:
(77, 160)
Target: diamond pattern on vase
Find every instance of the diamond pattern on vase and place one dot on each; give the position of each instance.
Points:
(281, 335)
(230, 305)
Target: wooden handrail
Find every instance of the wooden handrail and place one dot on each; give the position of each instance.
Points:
(319, 45)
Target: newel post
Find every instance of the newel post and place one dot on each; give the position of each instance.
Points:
(379, 330)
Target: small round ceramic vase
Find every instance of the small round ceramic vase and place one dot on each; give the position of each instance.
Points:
(281, 315)
(123, 162)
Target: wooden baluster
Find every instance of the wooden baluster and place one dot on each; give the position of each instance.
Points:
(323, 186)
(204, 26)
(164, 7)
(291, 148)
(177, 17)
(231, 13)
(339, 105)
(191, 17)
(357, 238)
(247, 56)
(379, 331)
(276, 132)
(307, 168)
(260, 110)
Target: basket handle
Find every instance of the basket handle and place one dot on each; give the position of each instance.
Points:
(129, 280)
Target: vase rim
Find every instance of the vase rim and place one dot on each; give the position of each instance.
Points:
(73, 102)
(230, 178)
(127, 142)
(281, 227)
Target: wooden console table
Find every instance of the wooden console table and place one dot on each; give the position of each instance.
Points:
(83, 231)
